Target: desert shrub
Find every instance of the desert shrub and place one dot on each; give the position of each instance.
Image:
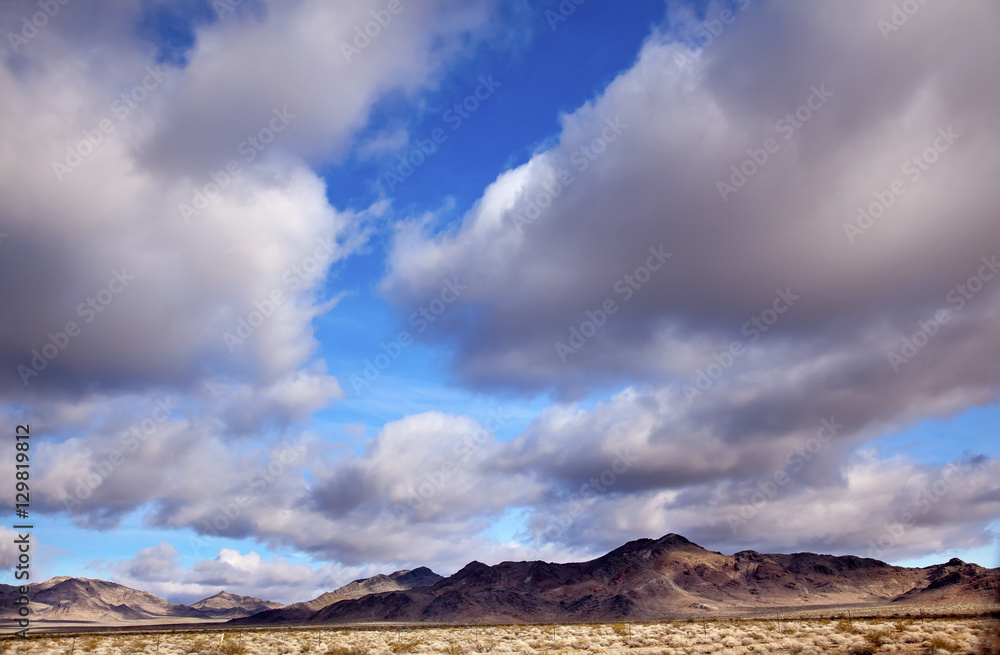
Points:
(406, 646)
(232, 648)
(89, 642)
(340, 649)
(989, 642)
(874, 639)
(729, 642)
(198, 645)
(862, 649)
(936, 642)
(844, 625)
(132, 646)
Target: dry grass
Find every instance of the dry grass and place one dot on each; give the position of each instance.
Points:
(345, 650)
(728, 637)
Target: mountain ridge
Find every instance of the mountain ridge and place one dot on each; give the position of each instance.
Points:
(643, 579)
(670, 577)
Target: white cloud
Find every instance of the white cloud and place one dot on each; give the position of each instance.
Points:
(201, 318)
(158, 569)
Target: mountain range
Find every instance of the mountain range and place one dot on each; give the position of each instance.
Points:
(645, 579)
(669, 577)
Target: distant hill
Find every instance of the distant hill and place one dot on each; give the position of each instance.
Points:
(97, 601)
(398, 581)
(225, 605)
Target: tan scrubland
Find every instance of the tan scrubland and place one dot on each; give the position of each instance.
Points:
(725, 637)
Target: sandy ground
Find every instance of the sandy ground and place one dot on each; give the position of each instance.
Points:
(802, 637)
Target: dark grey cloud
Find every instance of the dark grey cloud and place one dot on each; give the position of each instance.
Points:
(879, 325)
(117, 286)
(656, 183)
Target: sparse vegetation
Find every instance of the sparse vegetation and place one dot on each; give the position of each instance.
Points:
(406, 645)
(702, 637)
(937, 643)
(845, 625)
(231, 648)
(345, 650)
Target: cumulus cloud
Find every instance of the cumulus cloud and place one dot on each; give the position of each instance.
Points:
(168, 245)
(160, 206)
(159, 570)
(779, 304)
(739, 302)
(421, 493)
(627, 468)
(688, 120)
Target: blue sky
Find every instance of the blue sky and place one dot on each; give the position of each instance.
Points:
(556, 145)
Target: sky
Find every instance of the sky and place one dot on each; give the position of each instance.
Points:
(300, 292)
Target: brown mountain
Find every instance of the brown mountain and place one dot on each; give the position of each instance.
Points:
(955, 582)
(225, 605)
(668, 577)
(97, 601)
(398, 581)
